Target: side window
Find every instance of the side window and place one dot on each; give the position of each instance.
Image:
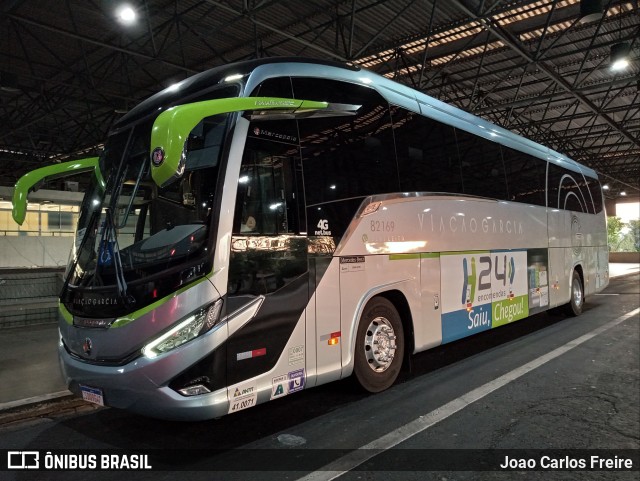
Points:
(567, 190)
(427, 155)
(482, 167)
(346, 156)
(266, 202)
(267, 252)
(525, 177)
(596, 193)
(274, 87)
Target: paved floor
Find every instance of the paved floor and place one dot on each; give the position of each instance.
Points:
(22, 381)
(29, 362)
(616, 270)
(557, 383)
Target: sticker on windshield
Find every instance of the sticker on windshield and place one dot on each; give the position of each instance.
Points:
(105, 256)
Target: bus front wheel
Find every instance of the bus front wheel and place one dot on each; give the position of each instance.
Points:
(574, 308)
(379, 345)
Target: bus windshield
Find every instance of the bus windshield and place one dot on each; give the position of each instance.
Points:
(137, 242)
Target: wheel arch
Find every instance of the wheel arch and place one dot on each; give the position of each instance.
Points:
(570, 308)
(579, 270)
(393, 293)
(398, 299)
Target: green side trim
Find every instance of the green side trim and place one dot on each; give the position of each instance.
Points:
(423, 255)
(123, 321)
(27, 182)
(400, 257)
(457, 253)
(171, 128)
(66, 315)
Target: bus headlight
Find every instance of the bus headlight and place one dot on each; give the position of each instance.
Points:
(191, 327)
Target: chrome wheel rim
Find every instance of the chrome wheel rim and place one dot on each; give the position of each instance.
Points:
(577, 294)
(380, 344)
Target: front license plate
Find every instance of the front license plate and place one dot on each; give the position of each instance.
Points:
(92, 394)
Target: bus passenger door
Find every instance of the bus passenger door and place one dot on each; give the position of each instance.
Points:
(268, 259)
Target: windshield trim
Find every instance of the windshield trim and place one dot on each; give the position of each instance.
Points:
(200, 262)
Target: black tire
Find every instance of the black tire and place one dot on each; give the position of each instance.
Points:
(379, 324)
(574, 307)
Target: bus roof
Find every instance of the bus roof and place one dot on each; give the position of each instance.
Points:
(256, 71)
(209, 79)
(418, 102)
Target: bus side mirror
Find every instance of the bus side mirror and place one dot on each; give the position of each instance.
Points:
(172, 127)
(33, 180)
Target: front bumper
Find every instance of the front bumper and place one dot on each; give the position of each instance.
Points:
(141, 386)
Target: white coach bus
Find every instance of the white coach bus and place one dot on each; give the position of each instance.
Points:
(269, 226)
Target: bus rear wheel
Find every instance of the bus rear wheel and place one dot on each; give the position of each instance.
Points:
(379, 345)
(574, 308)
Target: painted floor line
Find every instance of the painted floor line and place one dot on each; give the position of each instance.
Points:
(359, 456)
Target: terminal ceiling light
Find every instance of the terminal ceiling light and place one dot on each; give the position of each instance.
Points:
(590, 10)
(126, 14)
(619, 56)
(623, 193)
(605, 187)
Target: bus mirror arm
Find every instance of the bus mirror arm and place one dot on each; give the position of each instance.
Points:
(32, 181)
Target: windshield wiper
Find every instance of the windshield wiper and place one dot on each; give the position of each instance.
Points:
(133, 195)
(76, 259)
(109, 246)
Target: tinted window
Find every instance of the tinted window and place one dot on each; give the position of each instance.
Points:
(266, 203)
(481, 165)
(525, 177)
(346, 156)
(567, 190)
(427, 154)
(274, 87)
(596, 193)
(267, 255)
